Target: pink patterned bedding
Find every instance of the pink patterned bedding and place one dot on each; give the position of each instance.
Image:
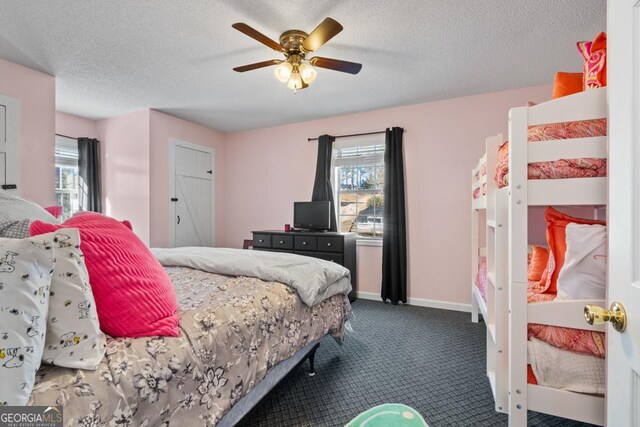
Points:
(480, 190)
(577, 340)
(559, 169)
(563, 168)
(482, 171)
(481, 278)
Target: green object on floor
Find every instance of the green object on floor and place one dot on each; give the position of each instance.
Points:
(389, 415)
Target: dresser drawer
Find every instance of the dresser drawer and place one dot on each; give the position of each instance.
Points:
(337, 258)
(281, 242)
(261, 240)
(306, 243)
(330, 244)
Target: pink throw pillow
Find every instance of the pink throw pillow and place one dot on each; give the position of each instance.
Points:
(55, 210)
(134, 295)
(594, 54)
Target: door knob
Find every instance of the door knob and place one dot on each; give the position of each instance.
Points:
(595, 315)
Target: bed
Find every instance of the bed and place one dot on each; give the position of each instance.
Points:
(144, 337)
(234, 331)
(556, 157)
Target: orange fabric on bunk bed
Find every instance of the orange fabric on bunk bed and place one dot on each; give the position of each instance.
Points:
(567, 84)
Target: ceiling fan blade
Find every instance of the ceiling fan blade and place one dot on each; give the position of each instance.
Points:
(257, 35)
(257, 65)
(322, 34)
(336, 64)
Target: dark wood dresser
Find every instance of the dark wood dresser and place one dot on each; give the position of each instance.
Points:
(336, 247)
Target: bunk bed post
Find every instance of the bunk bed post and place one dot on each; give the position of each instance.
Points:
(502, 302)
(474, 251)
(517, 265)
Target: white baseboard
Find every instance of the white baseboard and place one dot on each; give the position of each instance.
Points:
(421, 302)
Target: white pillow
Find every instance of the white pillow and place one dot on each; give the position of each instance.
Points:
(584, 273)
(26, 266)
(13, 207)
(74, 339)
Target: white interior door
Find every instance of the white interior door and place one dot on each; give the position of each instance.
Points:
(623, 78)
(9, 144)
(193, 183)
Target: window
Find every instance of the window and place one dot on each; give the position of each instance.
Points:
(67, 175)
(359, 185)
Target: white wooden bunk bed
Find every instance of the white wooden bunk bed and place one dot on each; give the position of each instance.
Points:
(492, 301)
(522, 193)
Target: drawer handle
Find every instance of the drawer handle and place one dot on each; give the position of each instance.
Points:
(282, 242)
(261, 241)
(329, 244)
(304, 243)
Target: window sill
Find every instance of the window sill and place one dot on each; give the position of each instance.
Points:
(369, 242)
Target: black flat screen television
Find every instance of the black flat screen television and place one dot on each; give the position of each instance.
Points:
(311, 215)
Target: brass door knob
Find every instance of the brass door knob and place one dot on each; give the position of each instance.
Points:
(595, 315)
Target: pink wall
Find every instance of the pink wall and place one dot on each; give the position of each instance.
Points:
(75, 127)
(126, 169)
(164, 127)
(37, 94)
(267, 169)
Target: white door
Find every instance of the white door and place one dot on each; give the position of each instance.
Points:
(9, 144)
(192, 196)
(623, 78)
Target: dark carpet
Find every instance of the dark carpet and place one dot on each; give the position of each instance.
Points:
(432, 360)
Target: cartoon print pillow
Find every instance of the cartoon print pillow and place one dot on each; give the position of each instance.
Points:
(26, 266)
(74, 338)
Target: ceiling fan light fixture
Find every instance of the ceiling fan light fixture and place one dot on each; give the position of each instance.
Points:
(283, 71)
(307, 73)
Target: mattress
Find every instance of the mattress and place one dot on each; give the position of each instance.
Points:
(563, 168)
(233, 331)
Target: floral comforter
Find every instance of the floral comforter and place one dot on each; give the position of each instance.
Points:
(233, 330)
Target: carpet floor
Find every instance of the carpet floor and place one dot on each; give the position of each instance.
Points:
(432, 360)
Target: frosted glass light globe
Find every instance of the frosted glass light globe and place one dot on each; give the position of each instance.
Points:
(283, 71)
(307, 72)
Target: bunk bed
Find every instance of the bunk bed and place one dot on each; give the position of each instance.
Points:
(560, 168)
(489, 267)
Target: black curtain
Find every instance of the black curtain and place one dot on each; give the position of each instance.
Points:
(90, 188)
(322, 190)
(394, 233)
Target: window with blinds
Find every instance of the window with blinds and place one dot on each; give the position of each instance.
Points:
(66, 153)
(359, 186)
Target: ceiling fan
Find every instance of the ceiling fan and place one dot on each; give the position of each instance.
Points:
(296, 70)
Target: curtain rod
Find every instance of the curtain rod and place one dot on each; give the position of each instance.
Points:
(65, 136)
(352, 134)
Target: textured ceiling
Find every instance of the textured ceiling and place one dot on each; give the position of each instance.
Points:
(117, 56)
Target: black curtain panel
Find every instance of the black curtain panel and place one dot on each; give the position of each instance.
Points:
(394, 233)
(322, 190)
(90, 188)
